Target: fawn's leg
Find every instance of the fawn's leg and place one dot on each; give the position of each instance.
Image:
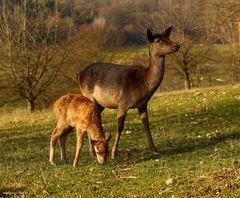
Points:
(62, 144)
(57, 132)
(91, 148)
(144, 117)
(80, 138)
(121, 118)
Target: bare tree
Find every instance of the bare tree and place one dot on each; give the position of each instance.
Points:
(182, 14)
(88, 45)
(228, 35)
(192, 64)
(31, 52)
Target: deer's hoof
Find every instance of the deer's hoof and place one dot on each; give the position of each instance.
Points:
(52, 163)
(114, 154)
(75, 164)
(154, 150)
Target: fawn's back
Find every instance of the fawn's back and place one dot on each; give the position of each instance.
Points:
(75, 110)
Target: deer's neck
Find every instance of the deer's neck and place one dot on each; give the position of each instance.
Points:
(155, 71)
(95, 131)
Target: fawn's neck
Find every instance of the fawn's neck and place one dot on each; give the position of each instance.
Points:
(95, 131)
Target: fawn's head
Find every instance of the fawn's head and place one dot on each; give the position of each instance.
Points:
(160, 44)
(101, 148)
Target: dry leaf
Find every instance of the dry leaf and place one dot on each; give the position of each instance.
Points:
(129, 177)
(169, 181)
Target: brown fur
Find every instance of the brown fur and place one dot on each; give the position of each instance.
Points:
(123, 87)
(73, 110)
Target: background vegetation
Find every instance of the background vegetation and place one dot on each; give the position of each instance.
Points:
(44, 43)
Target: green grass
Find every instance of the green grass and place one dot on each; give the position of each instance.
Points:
(196, 132)
(126, 55)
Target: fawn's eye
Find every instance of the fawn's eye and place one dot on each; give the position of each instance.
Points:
(157, 41)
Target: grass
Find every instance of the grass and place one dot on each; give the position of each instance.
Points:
(197, 133)
(126, 55)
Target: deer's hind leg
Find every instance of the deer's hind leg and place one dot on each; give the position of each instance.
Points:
(57, 132)
(62, 143)
(144, 117)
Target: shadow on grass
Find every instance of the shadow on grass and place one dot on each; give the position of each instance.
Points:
(125, 156)
(223, 116)
(40, 142)
(138, 155)
(184, 146)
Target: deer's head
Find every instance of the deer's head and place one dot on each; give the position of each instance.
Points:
(160, 44)
(101, 148)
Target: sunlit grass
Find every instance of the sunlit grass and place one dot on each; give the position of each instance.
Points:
(197, 133)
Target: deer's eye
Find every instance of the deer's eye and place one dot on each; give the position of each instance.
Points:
(157, 40)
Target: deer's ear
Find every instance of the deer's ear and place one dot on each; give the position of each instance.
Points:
(150, 35)
(167, 32)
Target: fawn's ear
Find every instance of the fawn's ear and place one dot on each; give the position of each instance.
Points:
(108, 137)
(150, 35)
(167, 32)
(94, 142)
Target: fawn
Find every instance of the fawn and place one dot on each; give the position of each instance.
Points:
(73, 110)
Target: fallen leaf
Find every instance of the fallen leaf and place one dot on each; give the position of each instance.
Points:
(169, 181)
(18, 173)
(125, 169)
(129, 177)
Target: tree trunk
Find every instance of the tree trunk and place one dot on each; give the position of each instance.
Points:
(31, 105)
(188, 84)
(209, 80)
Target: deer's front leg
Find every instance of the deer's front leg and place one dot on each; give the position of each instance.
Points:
(80, 138)
(91, 148)
(144, 117)
(121, 118)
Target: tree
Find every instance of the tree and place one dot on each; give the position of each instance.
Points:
(188, 31)
(228, 34)
(32, 54)
(192, 63)
(88, 45)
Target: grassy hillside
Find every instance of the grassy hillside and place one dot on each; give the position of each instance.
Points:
(196, 132)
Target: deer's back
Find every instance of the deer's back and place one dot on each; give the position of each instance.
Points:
(75, 109)
(61, 105)
(109, 74)
(107, 83)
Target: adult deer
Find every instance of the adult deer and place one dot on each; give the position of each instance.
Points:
(123, 87)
